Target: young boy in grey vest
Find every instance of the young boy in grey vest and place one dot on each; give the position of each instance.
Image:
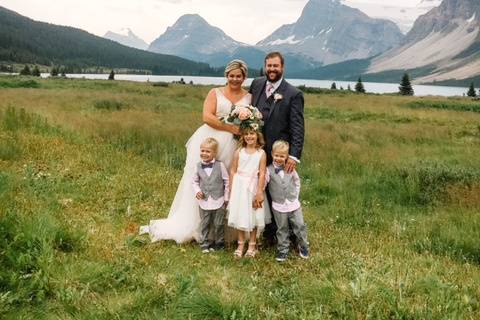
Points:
(284, 190)
(210, 184)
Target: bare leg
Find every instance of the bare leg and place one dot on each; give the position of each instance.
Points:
(252, 244)
(241, 244)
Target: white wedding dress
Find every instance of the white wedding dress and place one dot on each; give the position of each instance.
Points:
(184, 219)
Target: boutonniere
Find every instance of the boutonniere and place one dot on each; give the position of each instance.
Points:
(277, 97)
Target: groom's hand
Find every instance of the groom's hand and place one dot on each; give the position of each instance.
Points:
(290, 165)
(200, 195)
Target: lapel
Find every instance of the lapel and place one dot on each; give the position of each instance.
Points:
(280, 90)
(261, 89)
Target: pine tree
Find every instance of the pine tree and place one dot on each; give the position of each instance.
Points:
(359, 86)
(349, 88)
(54, 71)
(36, 72)
(334, 86)
(471, 91)
(111, 76)
(25, 71)
(406, 86)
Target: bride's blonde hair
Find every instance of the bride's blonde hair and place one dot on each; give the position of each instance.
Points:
(237, 64)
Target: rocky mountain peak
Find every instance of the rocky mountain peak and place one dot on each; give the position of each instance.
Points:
(126, 37)
(444, 18)
(192, 37)
(190, 21)
(330, 32)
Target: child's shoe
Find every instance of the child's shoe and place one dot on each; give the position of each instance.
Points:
(303, 252)
(205, 250)
(219, 246)
(281, 256)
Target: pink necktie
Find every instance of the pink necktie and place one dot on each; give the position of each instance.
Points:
(269, 89)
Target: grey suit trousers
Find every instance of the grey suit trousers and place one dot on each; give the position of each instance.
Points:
(285, 221)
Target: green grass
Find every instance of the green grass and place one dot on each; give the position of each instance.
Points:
(391, 197)
(447, 105)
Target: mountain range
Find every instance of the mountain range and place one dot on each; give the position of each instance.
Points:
(326, 32)
(24, 40)
(329, 40)
(330, 32)
(399, 12)
(445, 42)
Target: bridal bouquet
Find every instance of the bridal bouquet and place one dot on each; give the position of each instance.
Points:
(245, 117)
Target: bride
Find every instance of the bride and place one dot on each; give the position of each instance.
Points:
(184, 218)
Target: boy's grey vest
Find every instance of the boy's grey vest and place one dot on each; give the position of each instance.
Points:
(211, 186)
(281, 189)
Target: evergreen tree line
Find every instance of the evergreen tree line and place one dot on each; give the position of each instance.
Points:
(405, 87)
(26, 41)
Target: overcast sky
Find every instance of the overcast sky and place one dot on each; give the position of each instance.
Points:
(248, 21)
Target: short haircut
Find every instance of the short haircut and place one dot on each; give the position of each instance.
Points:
(275, 54)
(237, 64)
(210, 143)
(280, 146)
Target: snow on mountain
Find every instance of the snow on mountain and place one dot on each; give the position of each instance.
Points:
(330, 32)
(126, 37)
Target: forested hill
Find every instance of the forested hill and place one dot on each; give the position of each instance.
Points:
(24, 40)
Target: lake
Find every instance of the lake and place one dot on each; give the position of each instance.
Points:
(374, 87)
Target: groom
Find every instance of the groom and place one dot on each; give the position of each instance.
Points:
(281, 105)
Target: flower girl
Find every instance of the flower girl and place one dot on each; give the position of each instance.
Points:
(246, 205)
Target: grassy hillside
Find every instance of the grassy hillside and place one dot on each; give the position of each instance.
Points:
(23, 40)
(391, 195)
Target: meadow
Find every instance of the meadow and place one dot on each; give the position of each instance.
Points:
(391, 196)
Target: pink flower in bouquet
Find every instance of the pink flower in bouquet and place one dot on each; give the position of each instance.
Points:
(244, 114)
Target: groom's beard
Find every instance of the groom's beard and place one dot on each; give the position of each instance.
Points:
(274, 76)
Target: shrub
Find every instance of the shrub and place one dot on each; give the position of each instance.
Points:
(108, 104)
(17, 83)
(457, 106)
(427, 183)
(160, 84)
(14, 119)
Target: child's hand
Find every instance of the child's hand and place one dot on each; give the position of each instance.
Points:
(259, 198)
(226, 203)
(200, 195)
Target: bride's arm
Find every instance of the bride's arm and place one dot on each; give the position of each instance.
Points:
(210, 118)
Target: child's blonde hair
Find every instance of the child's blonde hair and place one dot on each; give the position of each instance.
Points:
(280, 146)
(260, 140)
(210, 143)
